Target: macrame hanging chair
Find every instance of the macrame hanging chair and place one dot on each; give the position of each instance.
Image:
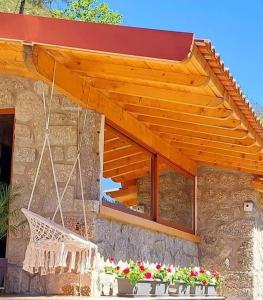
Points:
(52, 247)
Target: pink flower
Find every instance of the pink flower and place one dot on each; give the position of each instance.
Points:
(111, 259)
(169, 270)
(158, 266)
(148, 275)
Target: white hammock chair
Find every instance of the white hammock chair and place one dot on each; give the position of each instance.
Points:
(52, 246)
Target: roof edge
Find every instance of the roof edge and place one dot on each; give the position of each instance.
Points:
(116, 39)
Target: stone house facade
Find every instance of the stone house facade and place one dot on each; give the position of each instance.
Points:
(171, 103)
(230, 238)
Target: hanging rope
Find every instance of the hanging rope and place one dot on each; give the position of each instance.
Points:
(51, 245)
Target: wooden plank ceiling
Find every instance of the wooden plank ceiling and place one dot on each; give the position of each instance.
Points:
(190, 111)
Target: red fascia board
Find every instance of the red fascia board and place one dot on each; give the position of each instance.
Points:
(159, 44)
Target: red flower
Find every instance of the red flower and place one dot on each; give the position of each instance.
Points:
(111, 259)
(158, 266)
(117, 268)
(169, 270)
(193, 274)
(148, 275)
(126, 271)
(204, 282)
(202, 270)
(142, 268)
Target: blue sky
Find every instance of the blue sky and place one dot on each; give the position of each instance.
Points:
(234, 27)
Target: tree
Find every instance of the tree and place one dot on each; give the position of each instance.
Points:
(92, 11)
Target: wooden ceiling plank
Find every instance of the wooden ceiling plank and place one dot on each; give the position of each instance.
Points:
(127, 169)
(255, 159)
(217, 112)
(121, 153)
(80, 91)
(221, 164)
(107, 166)
(114, 145)
(229, 122)
(246, 141)
(234, 133)
(147, 75)
(155, 93)
(174, 138)
(133, 175)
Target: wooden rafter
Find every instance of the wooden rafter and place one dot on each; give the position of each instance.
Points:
(84, 92)
(218, 131)
(199, 141)
(228, 122)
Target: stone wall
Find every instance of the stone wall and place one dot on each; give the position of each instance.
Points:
(125, 242)
(176, 194)
(26, 97)
(231, 238)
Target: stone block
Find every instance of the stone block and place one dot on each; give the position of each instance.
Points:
(71, 153)
(22, 131)
(63, 172)
(6, 98)
(63, 135)
(58, 154)
(28, 102)
(40, 88)
(63, 118)
(23, 154)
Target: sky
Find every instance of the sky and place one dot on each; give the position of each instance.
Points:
(234, 27)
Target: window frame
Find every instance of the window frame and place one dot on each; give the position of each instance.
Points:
(155, 160)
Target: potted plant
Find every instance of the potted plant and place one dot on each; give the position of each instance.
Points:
(181, 282)
(139, 278)
(9, 220)
(134, 279)
(195, 281)
(163, 277)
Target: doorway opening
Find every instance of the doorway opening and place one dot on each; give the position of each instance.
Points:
(6, 150)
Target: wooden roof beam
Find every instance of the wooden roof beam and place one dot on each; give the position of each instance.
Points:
(229, 165)
(177, 138)
(155, 93)
(234, 133)
(229, 122)
(248, 140)
(121, 72)
(76, 88)
(187, 148)
(218, 112)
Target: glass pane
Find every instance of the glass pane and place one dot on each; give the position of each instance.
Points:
(126, 183)
(176, 194)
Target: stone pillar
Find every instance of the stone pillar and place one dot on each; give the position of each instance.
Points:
(26, 97)
(231, 239)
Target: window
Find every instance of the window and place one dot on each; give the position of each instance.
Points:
(127, 174)
(138, 181)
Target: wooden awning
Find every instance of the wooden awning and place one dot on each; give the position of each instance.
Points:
(166, 89)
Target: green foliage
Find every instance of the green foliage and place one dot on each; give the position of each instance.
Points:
(9, 218)
(92, 11)
(33, 7)
(82, 10)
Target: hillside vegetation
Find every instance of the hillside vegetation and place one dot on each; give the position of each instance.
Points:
(12, 6)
